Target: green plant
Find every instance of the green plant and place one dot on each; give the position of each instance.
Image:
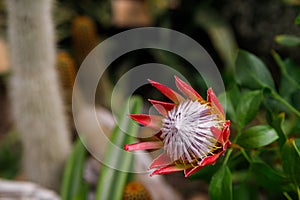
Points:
(73, 185)
(264, 153)
(112, 182)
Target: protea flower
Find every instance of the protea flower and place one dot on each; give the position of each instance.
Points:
(192, 131)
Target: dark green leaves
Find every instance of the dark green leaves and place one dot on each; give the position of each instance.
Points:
(251, 72)
(221, 185)
(241, 108)
(275, 167)
(289, 75)
(277, 123)
(229, 100)
(244, 192)
(257, 136)
(267, 177)
(291, 161)
(297, 143)
(248, 107)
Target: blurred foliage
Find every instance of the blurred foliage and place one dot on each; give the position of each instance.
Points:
(111, 182)
(113, 189)
(288, 40)
(73, 185)
(10, 155)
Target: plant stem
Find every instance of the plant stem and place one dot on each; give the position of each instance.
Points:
(284, 102)
(287, 196)
(227, 156)
(230, 150)
(246, 155)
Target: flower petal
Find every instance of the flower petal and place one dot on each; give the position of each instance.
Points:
(171, 94)
(167, 170)
(190, 171)
(187, 90)
(161, 161)
(210, 159)
(162, 107)
(217, 133)
(226, 131)
(212, 98)
(143, 146)
(206, 161)
(228, 143)
(221, 135)
(153, 121)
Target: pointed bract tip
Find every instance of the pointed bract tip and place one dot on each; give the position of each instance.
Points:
(187, 90)
(126, 148)
(212, 98)
(151, 81)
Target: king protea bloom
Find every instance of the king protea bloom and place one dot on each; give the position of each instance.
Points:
(192, 131)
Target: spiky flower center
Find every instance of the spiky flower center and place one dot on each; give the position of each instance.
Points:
(187, 131)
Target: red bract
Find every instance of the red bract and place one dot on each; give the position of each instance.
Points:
(192, 131)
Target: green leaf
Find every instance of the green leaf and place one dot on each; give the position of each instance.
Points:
(111, 182)
(257, 136)
(248, 107)
(297, 143)
(10, 154)
(229, 100)
(251, 72)
(287, 40)
(295, 98)
(290, 73)
(83, 192)
(219, 32)
(227, 105)
(297, 20)
(291, 161)
(206, 172)
(72, 179)
(268, 177)
(220, 186)
(244, 192)
(234, 95)
(277, 124)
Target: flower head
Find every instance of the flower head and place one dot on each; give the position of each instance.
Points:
(192, 131)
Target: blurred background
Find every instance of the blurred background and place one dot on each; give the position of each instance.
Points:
(221, 27)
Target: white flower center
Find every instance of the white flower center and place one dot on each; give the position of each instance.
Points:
(186, 131)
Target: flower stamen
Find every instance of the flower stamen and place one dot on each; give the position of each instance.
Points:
(186, 131)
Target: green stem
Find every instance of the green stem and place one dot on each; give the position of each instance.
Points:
(246, 155)
(287, 196)
(284, 102)
(239, 131)
(227, 156)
